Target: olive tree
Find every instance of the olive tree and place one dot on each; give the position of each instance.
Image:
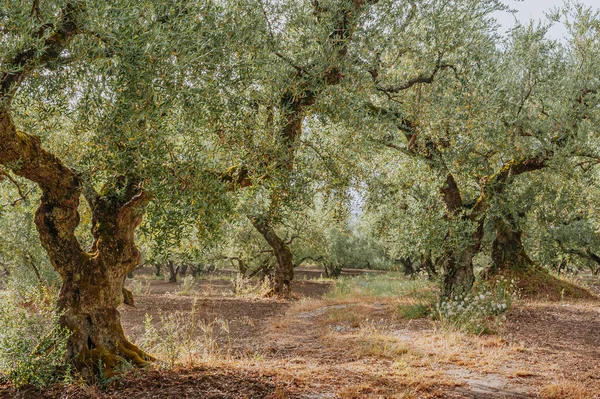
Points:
(113, 103)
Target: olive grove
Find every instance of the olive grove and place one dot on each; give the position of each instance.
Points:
(269, 134)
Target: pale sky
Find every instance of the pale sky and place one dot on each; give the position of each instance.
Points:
(534, 9)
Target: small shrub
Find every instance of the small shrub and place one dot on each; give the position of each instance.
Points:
(181, 338)
(187, 288)
(480, 311)
(414, 311)
(136, 287)
(32, 342)
(169, 339)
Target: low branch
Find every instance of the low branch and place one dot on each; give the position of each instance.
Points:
(301, 261)
(27, 60)
(496, 183)
(425, 78)
(22, 194)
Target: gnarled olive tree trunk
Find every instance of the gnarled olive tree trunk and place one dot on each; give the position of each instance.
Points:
(309, 82)
(507, 249)
(457, 266)
(92, 282)
(457, 263)
(91, 294)
(284, 267)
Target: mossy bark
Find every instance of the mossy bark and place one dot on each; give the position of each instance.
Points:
(92, 281)
(457, 263)
(93, 288)
(458, 276)
(508, 252)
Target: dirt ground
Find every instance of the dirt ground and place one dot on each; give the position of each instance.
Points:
(316, 348)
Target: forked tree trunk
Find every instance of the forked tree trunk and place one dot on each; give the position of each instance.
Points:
(92, 282)
(457, 263)
(429, 266)
(93, 288)
(173, 271)
(283, 273)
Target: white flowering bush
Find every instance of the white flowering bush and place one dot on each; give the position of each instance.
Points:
(480, 311)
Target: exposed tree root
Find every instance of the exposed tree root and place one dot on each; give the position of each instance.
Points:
(534, 282)
(107, 363)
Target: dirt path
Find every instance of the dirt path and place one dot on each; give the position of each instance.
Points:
(333, 356)
(322, 349)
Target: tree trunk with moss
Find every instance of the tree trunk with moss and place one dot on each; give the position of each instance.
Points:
(508, 252)
(92, 282)
(458, 276)
(284, 266)
(457, 263)
(92, 290)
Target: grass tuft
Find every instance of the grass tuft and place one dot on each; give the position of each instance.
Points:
(392, 285)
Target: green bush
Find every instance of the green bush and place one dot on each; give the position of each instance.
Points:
(32, 342)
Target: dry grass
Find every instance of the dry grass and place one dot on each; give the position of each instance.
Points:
(364, 342)
(352, 316)
(307, 305)
(567, 390)
(524, 373)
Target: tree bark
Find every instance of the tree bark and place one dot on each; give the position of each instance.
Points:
(93, 289)
(457, 263)
(183, 270)
(284, 266)
(458, 276)
(429, 266)
(157, 269)
(92, 282)
(407, 266)
(508, 252)
(173, 271)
